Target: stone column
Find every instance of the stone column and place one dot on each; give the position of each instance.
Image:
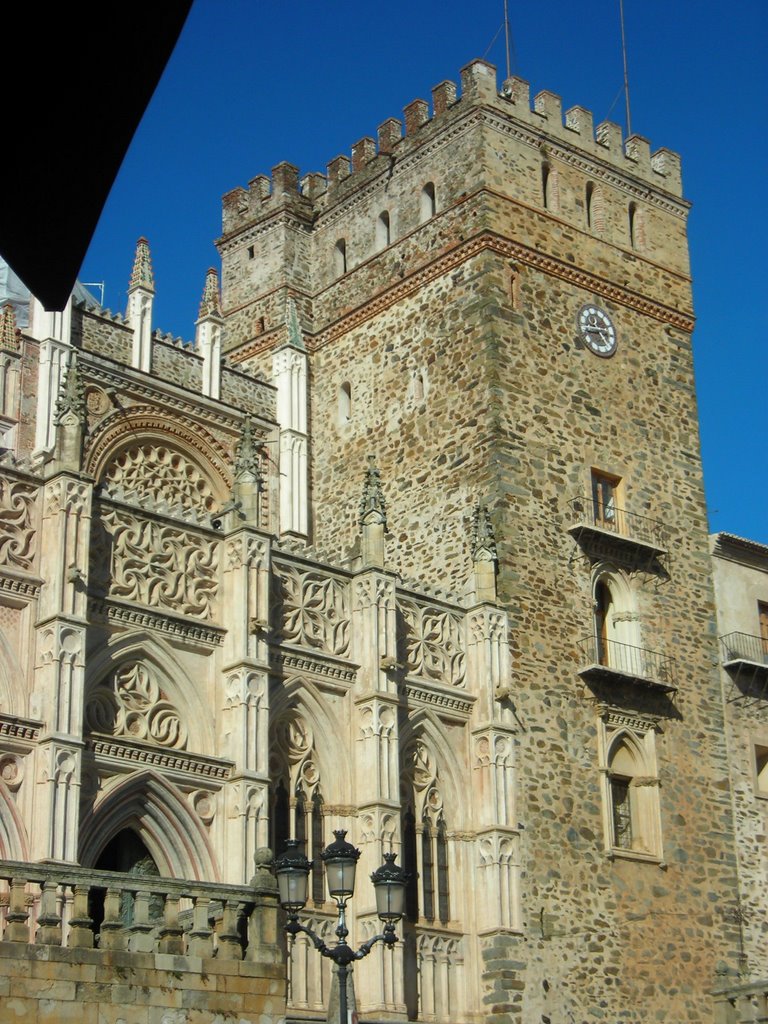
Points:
(245, 695)
(53, 330)
(141, 295)
(208, 331)
(60, 665)
(289, 368)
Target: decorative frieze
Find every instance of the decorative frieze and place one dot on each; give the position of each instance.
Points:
(446, 700)
(144, 618)
(291, 662)
(18, 534)
(313, 610)
(434, 642)
(124, 752)
(130, 703)
(154, 563)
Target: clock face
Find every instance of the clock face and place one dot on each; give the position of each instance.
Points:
(597, 331)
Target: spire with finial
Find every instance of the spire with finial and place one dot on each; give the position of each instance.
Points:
(484, 555)
(71, 399)
(482, 539)
(295, 338)
(247, 484)
(373, 507)
(9, 338)
(211, 301)
(247, 457)
(141, 275)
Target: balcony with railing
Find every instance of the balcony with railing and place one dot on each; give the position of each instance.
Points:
(604, 530)
(608, 661)
(743, 651)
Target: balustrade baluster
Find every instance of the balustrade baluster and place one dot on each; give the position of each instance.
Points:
(17, 929)
(49, 921)
(171, 932)
(81, 925)
(200, 935)
(141, 932)
(113, 934)
(228, 937)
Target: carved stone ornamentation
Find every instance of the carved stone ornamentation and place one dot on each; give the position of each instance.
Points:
(154, 564)
(18, 537)
(314, 610)
(434, 645)
(130, 703)
(70, 404)
(483, 541)
(373, 507)
(162, 474)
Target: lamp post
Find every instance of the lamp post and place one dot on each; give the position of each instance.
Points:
(340, 858)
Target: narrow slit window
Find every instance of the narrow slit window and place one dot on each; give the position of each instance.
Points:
(428, 204)
(632, 218)
(340, 257)
(382, 230)
(345, 402)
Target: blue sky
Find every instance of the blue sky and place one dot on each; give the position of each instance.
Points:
(252, 83)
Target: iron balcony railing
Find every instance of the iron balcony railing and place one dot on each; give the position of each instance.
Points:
(744, 647)
(627, 525)
(638, 662)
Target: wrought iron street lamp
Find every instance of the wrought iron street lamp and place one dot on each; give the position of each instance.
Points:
(340, 858)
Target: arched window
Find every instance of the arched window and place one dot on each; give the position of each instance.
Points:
(550, 188)
(631, 786)
(636, 226)
(382, 230)
(345, 402)
(616, 624)
(428, 206)
(588, 197)
(603, 610)
(296, 802)
(340, 257)
(621, 771)
(425, 839)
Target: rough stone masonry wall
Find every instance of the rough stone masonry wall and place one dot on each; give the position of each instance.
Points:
(625, 934)
(405, 369)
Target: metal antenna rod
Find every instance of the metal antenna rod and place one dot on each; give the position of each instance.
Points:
(626, 72)
(506, 35)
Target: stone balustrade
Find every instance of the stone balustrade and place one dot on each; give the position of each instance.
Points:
(77, 936)
(745, 1003)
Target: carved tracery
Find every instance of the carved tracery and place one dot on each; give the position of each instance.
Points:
(154, 563)
(130, 703)
(162, 473)
(17, 526)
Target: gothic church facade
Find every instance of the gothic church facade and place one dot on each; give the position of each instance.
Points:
(412, 542)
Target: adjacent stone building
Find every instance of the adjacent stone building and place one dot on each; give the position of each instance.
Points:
(410, 541)
(741, 595)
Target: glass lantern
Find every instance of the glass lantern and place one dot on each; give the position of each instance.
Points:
(390, 881)
(292, 870)
(340, 859)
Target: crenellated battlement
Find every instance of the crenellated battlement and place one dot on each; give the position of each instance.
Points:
(544, 119)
